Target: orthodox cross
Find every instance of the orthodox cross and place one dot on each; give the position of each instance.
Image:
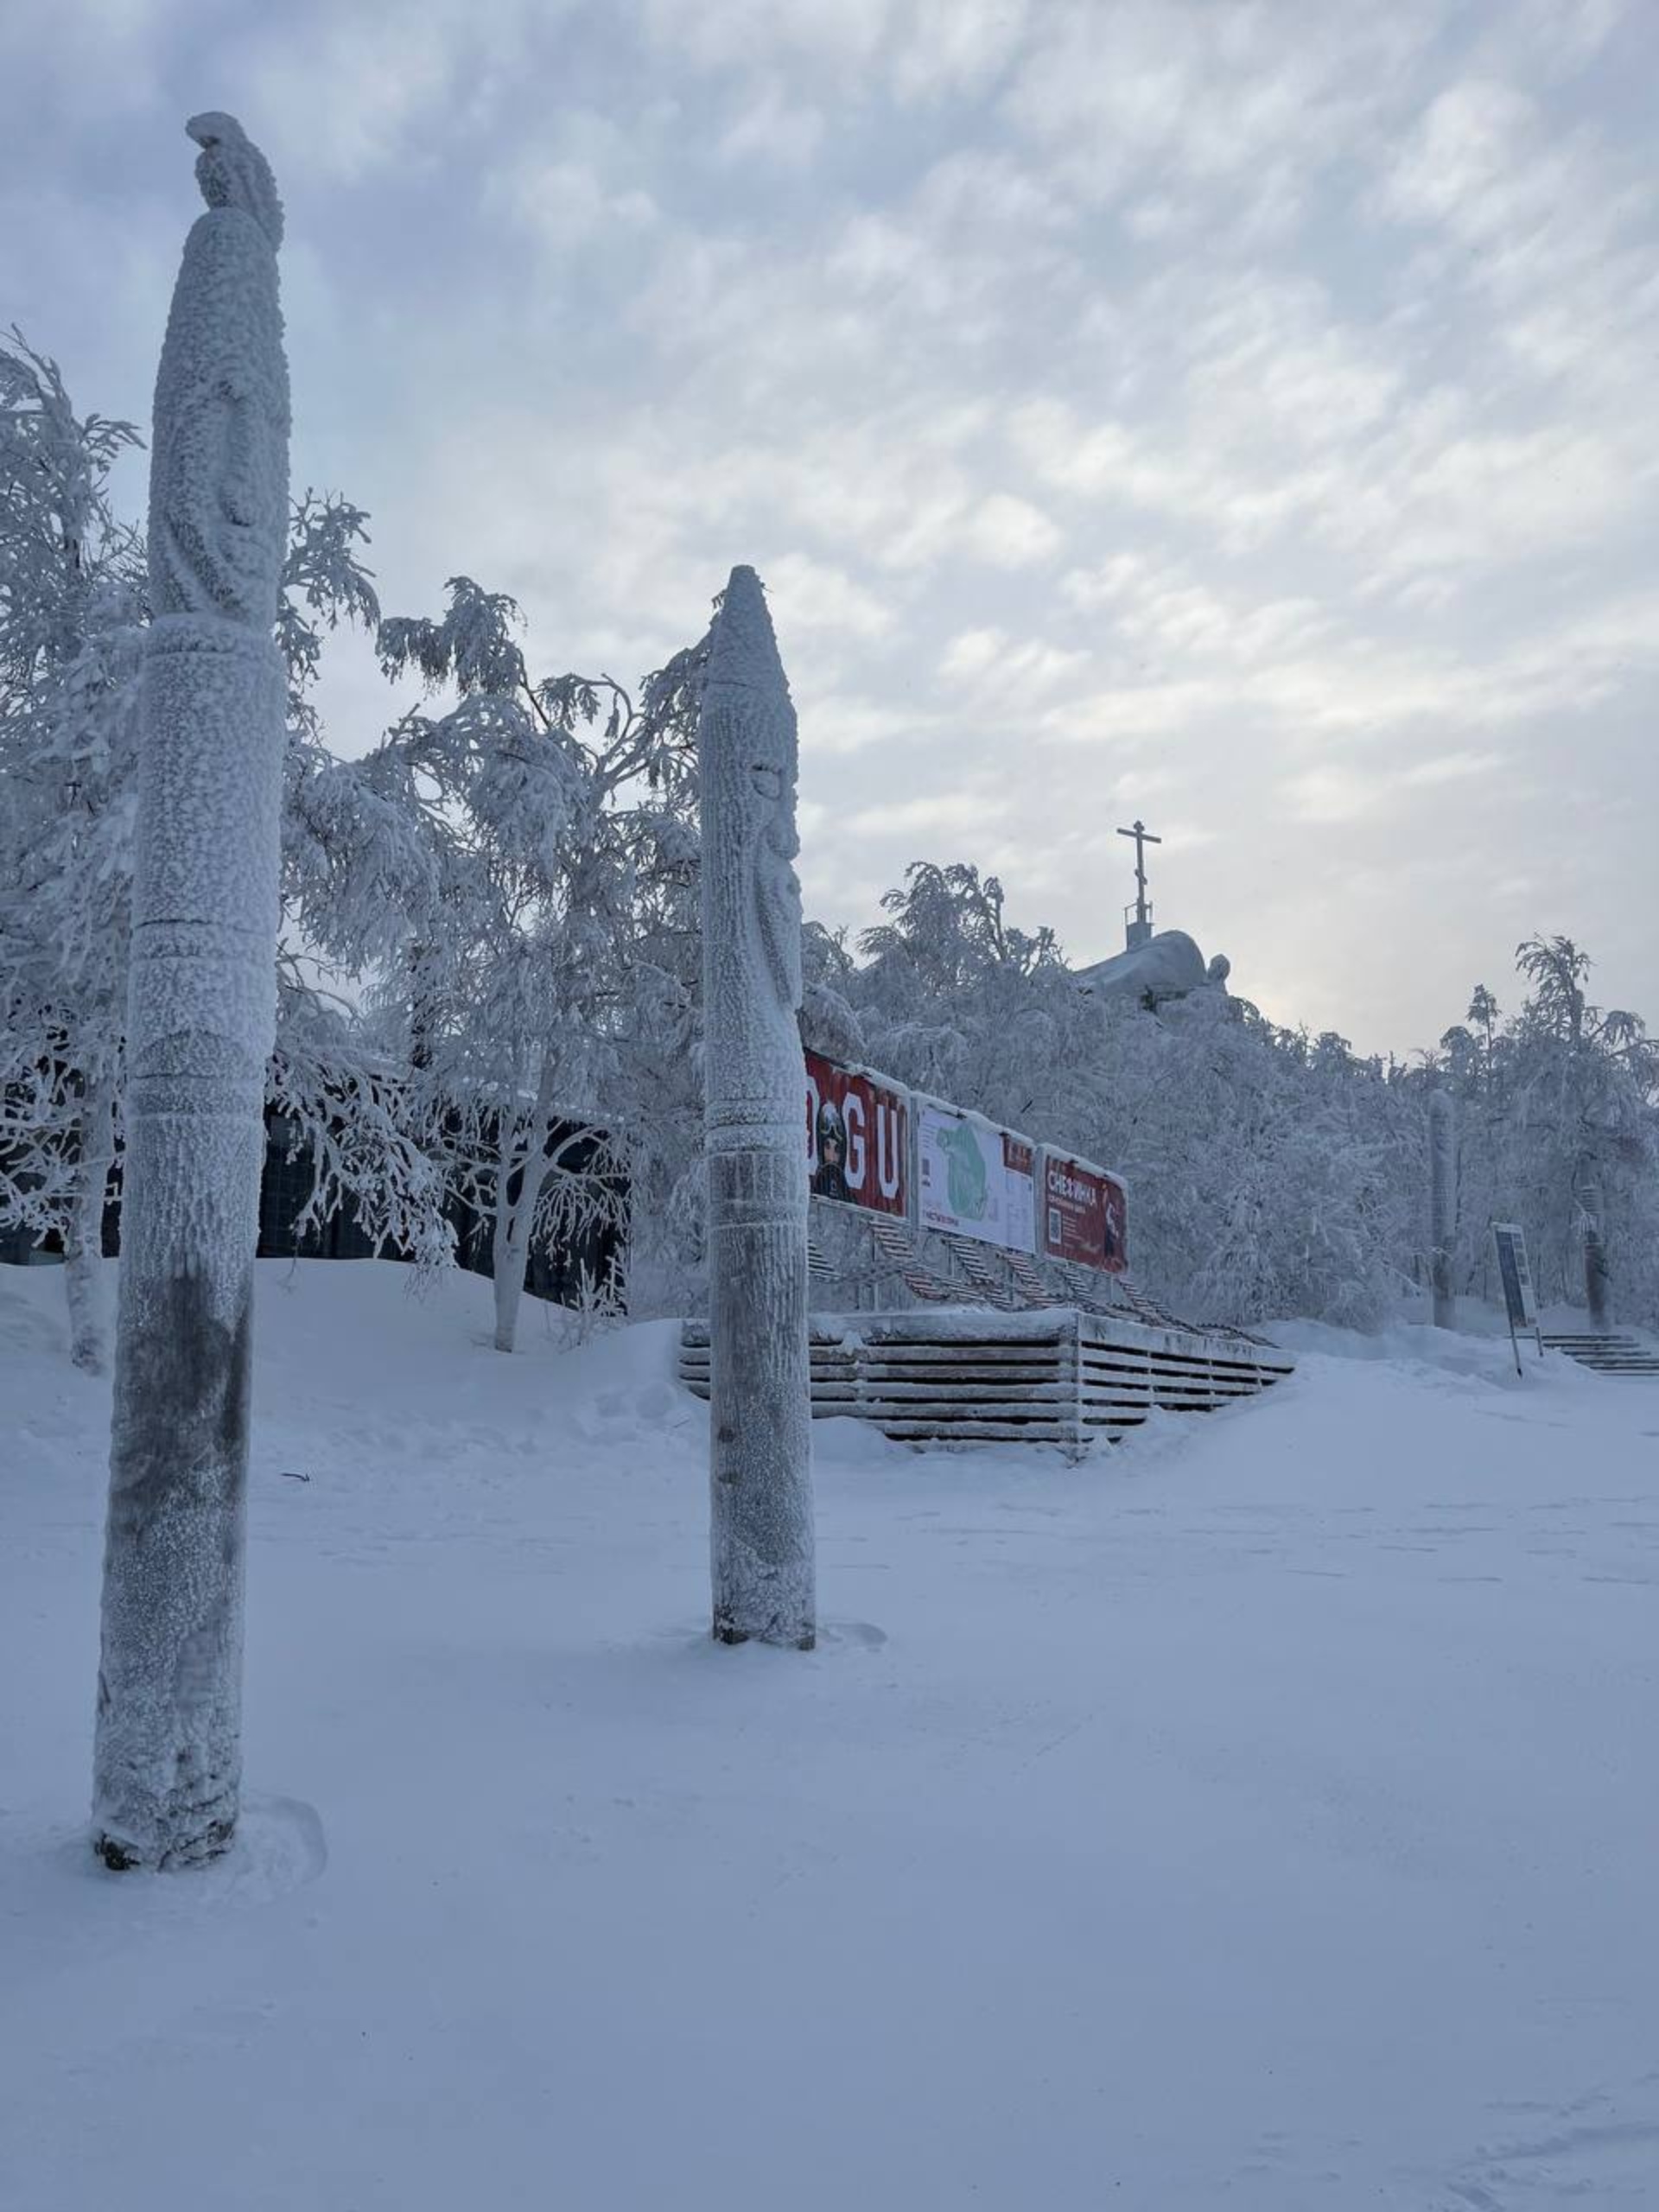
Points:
(1139, 929)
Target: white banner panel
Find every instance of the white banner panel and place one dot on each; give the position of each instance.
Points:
(973, 1178)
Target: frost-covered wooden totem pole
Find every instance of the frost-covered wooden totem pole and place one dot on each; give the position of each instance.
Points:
(1443, 1202)
(1597, 1275)
(761, 1429)
(201, 1013)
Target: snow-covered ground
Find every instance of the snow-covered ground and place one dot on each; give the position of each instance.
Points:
(1262, 1816)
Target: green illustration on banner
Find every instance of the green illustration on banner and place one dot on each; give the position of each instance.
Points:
(964, 1172)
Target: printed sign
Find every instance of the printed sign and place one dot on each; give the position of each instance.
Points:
(1085, 1215)
(1515, 1275)
(857, 1138)
(975, 1180)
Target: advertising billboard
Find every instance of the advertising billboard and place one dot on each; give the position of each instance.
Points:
(973, 1179)
(857, 1138)
(1085, 1214)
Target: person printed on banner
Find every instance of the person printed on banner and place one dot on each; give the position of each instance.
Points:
(829, 1181)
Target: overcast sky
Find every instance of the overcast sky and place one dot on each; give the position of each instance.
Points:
(1242, 416)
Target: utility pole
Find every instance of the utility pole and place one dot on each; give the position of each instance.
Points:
(1137, 929)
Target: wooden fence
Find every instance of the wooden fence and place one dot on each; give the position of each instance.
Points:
(1060, 1376)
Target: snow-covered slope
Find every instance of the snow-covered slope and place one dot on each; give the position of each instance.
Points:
(1260, 1816)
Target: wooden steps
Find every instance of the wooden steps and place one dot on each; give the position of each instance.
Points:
(1060, 1376)
(1604, 1352)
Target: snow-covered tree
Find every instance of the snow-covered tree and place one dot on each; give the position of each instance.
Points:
(1581, 1087)
(960, 1002)
(517, 868)
(1270, 1171)
(74, 610)
(72, 604)
(505, 889)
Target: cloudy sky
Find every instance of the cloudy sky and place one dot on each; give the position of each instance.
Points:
(1243, 416)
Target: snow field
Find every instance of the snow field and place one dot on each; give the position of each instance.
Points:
(1260, 1815)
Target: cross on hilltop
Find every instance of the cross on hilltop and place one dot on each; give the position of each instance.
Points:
(1138, 929)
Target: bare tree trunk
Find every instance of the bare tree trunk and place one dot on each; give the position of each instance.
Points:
(510, 1246)
(201, 1018)
(761, 1429)
(1443, 1202)
(83, 1247)
(424, 1007)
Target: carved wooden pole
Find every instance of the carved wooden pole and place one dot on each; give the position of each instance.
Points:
(200, 1021)
(761, 1430)
(1443, 1202)
(1597, 1275)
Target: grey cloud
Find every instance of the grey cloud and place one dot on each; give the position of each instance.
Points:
(1248, 413)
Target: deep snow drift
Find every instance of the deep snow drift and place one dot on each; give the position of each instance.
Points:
(1261, 1815)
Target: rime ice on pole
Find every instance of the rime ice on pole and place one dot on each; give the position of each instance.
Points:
(201, 1018)
(1443, 1204)
(760, 1448)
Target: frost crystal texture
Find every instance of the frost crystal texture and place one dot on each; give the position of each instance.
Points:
(218, 464)
(201, 1017)
(1443, 1205)
(760, 1452)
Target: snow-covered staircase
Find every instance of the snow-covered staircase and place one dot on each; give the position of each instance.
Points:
(1607, 1352)
(1062, 1376)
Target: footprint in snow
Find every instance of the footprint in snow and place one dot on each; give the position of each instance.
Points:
(280, 1846)
(862, 1635)
(1588, 2152)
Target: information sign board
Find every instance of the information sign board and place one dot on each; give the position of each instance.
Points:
(1514, 1274)
(1516, 1279)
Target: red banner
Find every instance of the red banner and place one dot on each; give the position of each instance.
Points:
(1084, 1215)
(857, 1138)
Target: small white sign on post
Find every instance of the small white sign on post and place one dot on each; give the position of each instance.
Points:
(1516, 1278)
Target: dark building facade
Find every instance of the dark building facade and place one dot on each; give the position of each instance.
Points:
(574, 1266)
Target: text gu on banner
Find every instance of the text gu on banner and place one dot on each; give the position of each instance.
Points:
(857, 1138)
